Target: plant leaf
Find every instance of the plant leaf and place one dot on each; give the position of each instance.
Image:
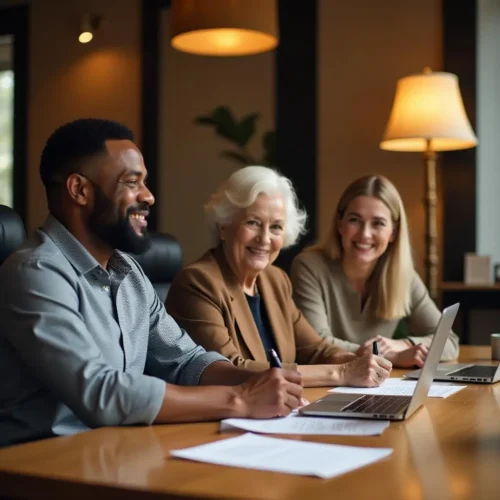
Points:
(246, 128)
(226, 125)
(205, 120)
(222, 119)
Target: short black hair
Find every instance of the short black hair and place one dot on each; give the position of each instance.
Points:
(73, 142)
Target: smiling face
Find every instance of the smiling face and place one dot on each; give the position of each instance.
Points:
(121, 199)
(366, 229)
(254, 238)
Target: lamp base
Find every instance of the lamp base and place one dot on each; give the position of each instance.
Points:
(432, 258)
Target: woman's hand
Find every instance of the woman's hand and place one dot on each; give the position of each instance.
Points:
(367, 371)
(413, 356)
(344, 357)
(400, 353)
(385, 345)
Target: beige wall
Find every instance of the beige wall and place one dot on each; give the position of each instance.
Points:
(69, 80)
(190, 165)
(364, 47)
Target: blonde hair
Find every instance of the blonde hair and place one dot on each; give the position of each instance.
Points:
(241, 191)
(394, 270)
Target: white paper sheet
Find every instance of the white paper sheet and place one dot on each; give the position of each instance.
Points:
(252, 451)
(401, 387)
(296, 424)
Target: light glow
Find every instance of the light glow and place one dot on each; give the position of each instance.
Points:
(85, 37)
(428, 107)
(224, 42)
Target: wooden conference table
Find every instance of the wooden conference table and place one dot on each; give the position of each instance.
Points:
(450, 449)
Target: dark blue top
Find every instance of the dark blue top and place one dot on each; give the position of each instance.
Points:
(261, 321)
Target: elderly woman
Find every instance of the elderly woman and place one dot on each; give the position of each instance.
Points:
(357, 286)
(232, 300)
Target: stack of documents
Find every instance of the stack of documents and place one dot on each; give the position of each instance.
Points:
(402, 387)
(283, 455)
(296, 424)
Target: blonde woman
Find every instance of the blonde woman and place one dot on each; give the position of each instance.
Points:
(359, 284)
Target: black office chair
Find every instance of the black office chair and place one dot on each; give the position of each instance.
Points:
(161, 262)
(12, 232)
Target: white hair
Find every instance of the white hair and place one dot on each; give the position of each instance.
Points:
(242, 189)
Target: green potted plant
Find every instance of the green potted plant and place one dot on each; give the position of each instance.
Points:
(239, 133)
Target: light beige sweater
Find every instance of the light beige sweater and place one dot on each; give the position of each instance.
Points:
(332, 306)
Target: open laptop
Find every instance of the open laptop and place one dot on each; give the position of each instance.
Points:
(388, 407)
(461, 372)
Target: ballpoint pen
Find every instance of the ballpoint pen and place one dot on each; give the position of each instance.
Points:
(274, 359)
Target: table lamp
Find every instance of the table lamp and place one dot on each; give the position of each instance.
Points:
(224, 27)
(428, 116)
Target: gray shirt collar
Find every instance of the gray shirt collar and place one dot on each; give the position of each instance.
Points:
(76, 253)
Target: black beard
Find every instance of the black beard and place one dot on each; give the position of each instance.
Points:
(114, 229)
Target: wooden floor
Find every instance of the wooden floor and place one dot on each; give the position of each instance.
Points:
(450, 449)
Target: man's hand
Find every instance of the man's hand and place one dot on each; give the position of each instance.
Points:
(367, 371)
(413, 356)
(272, 393)
(385, 345)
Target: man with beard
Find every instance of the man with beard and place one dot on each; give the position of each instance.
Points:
(84, 340)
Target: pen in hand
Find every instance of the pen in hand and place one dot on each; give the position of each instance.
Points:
(274, 359)
(275, 362)
(375, 348)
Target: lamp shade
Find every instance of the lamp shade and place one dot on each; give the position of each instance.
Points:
(428, 106)
(224, 27)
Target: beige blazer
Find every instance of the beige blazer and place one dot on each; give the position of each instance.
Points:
(207, 301)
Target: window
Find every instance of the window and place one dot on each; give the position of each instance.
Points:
(6, 136)
(14, 45)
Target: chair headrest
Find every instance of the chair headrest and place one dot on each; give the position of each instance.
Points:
(12, 232)
(163, 260)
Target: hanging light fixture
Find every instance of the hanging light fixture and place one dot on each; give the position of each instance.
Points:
(88, 26)
(224, 27)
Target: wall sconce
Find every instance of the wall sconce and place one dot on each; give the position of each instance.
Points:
(224, 27)
(88, 25)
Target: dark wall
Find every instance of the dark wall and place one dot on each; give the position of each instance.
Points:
(459, 167)
(296, 104)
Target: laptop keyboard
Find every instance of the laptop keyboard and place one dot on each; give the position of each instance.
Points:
(378, 404)
(475, 371)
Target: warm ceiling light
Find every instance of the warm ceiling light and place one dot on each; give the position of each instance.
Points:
(87, 27)
(224, 27)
